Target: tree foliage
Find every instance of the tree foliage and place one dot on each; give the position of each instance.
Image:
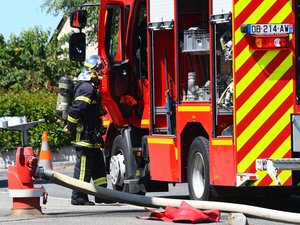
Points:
(30, 67)
(65, 7)
(35, 106)
(33, 60)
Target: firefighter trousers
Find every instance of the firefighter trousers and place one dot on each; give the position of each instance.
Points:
(90, 164)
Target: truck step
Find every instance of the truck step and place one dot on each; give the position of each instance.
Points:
(161, 110)
(280, 164)
(272, 166)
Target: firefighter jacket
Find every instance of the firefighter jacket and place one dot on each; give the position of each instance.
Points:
(84, 116)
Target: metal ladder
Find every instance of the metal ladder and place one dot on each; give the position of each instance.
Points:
(272, 166)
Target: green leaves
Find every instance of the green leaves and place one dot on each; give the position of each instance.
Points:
(30, 67)
(34, 60)
(38, 105)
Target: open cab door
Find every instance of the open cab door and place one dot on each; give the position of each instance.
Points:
(118, 82)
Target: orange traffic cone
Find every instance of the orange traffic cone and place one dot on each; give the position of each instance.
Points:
(45, 154)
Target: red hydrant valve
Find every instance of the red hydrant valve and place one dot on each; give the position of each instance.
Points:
(26, 198)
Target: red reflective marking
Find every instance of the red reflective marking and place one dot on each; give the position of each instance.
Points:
(252, 87)
(268, 152)
(260, 133)
(246, 12)
(275, 8)
(243, 70)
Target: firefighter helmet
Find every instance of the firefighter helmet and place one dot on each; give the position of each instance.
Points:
(93, 63)
(92, 66)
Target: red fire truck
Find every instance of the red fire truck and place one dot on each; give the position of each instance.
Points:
(216, 87)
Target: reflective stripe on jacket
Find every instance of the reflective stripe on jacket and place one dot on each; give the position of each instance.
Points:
(84, 117)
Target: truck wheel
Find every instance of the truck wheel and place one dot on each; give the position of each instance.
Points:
(198, 170)
(117, 165)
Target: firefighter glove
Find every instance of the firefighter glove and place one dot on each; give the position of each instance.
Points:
(129, 100)
(66, 130)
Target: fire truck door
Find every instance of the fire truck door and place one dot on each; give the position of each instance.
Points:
(162, 66)
(118, 73)
(139, 42)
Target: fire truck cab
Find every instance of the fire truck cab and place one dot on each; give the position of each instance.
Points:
(216, 89)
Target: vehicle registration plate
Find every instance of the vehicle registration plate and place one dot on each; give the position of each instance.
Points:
(270, 28)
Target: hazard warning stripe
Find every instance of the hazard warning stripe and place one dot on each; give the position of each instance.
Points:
(280, 7)
(265, 179)
(248, 91)
(280, 15)
(284, 176)
(263, 89)
(260, 133)
(262, 13)
(256, 69)
(284, 12)
(273, 103)
(265, 141)
(240, 6)
(242, 12)
(262, 119)
(275, 145)
(265, 100)
(243, 64)
(279, 153)
(253, 17)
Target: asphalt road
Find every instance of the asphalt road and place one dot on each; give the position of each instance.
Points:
(58, 209)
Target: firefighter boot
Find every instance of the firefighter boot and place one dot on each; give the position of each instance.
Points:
(81, 201)
(104, 201)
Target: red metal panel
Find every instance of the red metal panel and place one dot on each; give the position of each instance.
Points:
(193, 112)
(222, 162)
(163, 158)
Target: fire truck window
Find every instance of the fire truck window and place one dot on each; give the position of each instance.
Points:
(297, 38)
(140, 43)
(112, 34)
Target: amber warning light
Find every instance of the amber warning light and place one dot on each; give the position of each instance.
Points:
(271, 42)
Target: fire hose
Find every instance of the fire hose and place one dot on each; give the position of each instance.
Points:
(156, 202)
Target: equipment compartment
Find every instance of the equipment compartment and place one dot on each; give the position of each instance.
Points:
(196, 41)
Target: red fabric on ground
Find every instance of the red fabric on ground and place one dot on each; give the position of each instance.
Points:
(185, 213)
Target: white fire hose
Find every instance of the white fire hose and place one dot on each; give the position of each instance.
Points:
(156, 202)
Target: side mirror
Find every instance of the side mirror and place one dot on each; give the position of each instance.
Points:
(77, 45)
(78, 19)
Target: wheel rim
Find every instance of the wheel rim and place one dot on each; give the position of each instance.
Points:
(198, 175)
(117, 169)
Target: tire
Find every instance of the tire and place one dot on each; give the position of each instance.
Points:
(198, 170)
(118, 164)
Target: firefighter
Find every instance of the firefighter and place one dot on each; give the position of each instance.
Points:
(84, 125)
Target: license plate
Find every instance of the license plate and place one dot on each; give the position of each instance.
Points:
(270, 29)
